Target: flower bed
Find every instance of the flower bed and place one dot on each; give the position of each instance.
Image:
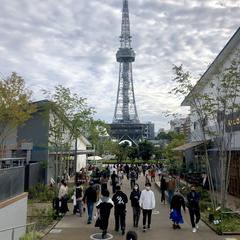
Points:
(223, 221)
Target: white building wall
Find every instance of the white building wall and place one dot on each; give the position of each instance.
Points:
(13, 215)
(196, 134)
(81, 159)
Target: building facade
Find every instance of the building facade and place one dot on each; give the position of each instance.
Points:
(222, 132)
(182, 126)
(149, 131)
(34, 142)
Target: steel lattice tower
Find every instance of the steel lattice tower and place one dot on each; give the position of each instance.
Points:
(125, 109)
(126, 125)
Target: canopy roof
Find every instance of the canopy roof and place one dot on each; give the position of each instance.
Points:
(188, 145)
(94, 158)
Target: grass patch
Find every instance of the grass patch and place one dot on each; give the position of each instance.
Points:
(31, 236)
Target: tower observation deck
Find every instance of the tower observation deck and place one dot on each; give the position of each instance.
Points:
(126, 124)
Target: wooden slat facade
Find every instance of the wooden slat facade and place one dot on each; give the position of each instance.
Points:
(234, 175)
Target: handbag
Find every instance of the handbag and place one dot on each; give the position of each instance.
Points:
(98, 222)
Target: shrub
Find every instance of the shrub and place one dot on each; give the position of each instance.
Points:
(31, 236)
(42, 193)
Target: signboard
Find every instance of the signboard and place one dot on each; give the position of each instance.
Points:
(27, 146)
(233, 122)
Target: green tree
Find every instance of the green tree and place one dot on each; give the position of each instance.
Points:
(163, 136)
(70, 118)
(173, 158)
(146, 150)
(133, 153)
(15, 105)
(97, 134)
(122, 151)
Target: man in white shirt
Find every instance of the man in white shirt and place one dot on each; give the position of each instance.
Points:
(147, 203)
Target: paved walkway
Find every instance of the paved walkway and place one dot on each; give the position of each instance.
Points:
(75, 228)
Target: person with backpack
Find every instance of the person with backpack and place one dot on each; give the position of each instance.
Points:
(133, 177)
(120, 200)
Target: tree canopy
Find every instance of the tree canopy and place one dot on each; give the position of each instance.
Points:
(15, 105)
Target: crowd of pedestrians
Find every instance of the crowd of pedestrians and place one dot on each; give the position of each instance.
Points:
(97, 195)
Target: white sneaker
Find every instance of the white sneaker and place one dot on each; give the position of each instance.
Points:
(197, 227)
(194, 230)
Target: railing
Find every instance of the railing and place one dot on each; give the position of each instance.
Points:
(13, 230)
(12, 162)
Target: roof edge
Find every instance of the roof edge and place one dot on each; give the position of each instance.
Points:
(218, 60)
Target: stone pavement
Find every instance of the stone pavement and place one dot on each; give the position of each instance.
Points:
(73, 227)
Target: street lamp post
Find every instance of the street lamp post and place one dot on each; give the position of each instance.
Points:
(75, 159)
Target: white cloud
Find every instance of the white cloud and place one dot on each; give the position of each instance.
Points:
(73, 43)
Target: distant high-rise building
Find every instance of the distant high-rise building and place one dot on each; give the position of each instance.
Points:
(181, 125)
(149, 131)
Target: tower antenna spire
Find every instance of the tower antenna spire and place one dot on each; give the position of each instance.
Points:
(125, 37)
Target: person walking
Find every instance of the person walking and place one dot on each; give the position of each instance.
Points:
(63, 198)
(171, 186)
(152, 173)
(120, 176)
(114, 180)
(104, 207)
(104, 182)
(163, 188)
(147, 203)
(144, 169)
(90, 197)
(126, 169)
(133, 177)
(134, 197)
(78, 196)
(120, 200)
(193, 199)
(175, 210)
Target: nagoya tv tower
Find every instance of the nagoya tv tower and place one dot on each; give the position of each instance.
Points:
(126, 125)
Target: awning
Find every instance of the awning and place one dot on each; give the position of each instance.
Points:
(94, 158)
(188, 145)
(72, 152)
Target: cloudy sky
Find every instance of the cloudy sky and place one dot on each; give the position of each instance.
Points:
(73, 43)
